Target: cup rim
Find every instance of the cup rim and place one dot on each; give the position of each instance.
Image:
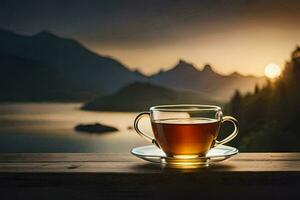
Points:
(185, 107)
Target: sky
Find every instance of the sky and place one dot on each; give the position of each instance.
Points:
(231, 35)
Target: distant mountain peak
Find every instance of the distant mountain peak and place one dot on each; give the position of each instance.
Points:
(138, 72)
(182, 62)
(45, 33)
(183, 65)
(207, 68)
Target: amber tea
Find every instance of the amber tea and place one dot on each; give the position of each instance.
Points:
(186, 136)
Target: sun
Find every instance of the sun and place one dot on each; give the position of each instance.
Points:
(272, 71)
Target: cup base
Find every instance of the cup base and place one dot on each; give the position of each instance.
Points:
(186, 162)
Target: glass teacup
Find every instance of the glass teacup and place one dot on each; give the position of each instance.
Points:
(186, 131)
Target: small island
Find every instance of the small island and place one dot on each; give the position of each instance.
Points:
(95, 128)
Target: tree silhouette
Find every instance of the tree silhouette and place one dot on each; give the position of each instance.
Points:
(269, 116)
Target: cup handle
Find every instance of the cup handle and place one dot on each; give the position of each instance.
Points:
(136, 127)
(233, 134)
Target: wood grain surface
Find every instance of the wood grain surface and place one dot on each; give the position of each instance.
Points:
(122, 176)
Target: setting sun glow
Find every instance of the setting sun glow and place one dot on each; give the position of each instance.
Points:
(272, 71)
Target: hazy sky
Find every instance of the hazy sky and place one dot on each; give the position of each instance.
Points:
(231, 35)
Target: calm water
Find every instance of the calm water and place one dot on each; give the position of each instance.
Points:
(49, 127)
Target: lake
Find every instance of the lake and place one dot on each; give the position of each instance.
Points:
(49, 127)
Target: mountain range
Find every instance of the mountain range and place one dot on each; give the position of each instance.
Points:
(45, 66)
(82, 72)
(185, 76)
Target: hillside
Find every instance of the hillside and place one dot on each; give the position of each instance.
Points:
(28, 80)
(141, 96)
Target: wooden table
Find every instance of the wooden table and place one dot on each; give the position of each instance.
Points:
(122, 176)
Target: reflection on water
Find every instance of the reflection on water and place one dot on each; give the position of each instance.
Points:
(49, 127)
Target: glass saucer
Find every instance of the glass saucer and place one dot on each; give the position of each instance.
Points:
(155, 155)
